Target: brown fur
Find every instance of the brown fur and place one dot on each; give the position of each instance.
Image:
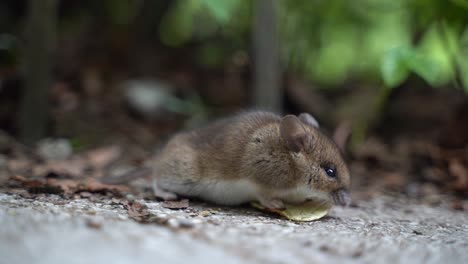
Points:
(254, 146)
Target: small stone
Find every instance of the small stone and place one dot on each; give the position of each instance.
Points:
(213, 222)
(186, 223)
(173, 223)
(116, 201)
(161, 216)
(433, 200)
(54, 149)
(205, 213)
(197, 221)
(85, 194)
(148, 97)
(122, 217)
(91, 212)
(130, 197)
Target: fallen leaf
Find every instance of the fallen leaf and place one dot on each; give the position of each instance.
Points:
(460, 173)
(136, 211)
(35, 186)
(182, 204)
(67, 186)
(92, 185)
(102, 157)
(393, 180)
(73, 168)
(457, 205)
(18, 165)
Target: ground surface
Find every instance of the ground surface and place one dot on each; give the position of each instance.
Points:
(50, 229)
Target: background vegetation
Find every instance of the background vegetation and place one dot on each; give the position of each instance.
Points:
(333, 41)
(210, 52)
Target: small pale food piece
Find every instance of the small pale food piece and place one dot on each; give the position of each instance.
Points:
(305, 212)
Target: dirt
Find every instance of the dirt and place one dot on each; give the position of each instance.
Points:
(50, 229)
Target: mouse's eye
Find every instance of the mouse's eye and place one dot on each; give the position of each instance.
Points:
(330, 171)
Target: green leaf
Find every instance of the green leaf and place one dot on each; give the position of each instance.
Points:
(337, 57)
(461, 3)
(393, 67)
(222, 10)
(438, 50)
(423, 66)
(176, 26)
(399, 62)
(463, 60)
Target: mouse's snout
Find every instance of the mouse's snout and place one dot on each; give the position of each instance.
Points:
(341, 197)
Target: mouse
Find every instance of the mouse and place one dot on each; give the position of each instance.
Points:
(253, 156)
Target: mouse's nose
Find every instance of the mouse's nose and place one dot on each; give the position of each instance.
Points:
(341, 197)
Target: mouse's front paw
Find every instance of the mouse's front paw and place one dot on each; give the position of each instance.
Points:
(272, 203)
(163, 194)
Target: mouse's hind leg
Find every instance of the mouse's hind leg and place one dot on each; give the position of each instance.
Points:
(163, 194)
(271, 203)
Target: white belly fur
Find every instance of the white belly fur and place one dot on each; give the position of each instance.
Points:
(236, 192)
(221, 192)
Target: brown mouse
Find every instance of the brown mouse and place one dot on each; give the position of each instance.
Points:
(253, 156)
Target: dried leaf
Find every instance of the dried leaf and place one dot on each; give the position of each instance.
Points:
(137, 211)
(74, 168)
(18, 165)
(102, 157)
(66, 185)
(182, 204)
(460, 173)
(92, 185)
(36, 186)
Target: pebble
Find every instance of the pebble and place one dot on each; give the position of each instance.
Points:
(122, 217)
(162, 216)
(205, 213)
(182, 223)
(54, 149)
(174, 223)
(186, 223)
(130, 197)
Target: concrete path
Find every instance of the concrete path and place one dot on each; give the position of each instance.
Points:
(50, 229)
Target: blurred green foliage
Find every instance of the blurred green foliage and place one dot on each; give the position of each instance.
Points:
(333, 41)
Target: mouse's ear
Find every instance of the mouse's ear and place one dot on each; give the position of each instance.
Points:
(293, 133)
(309, 120)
